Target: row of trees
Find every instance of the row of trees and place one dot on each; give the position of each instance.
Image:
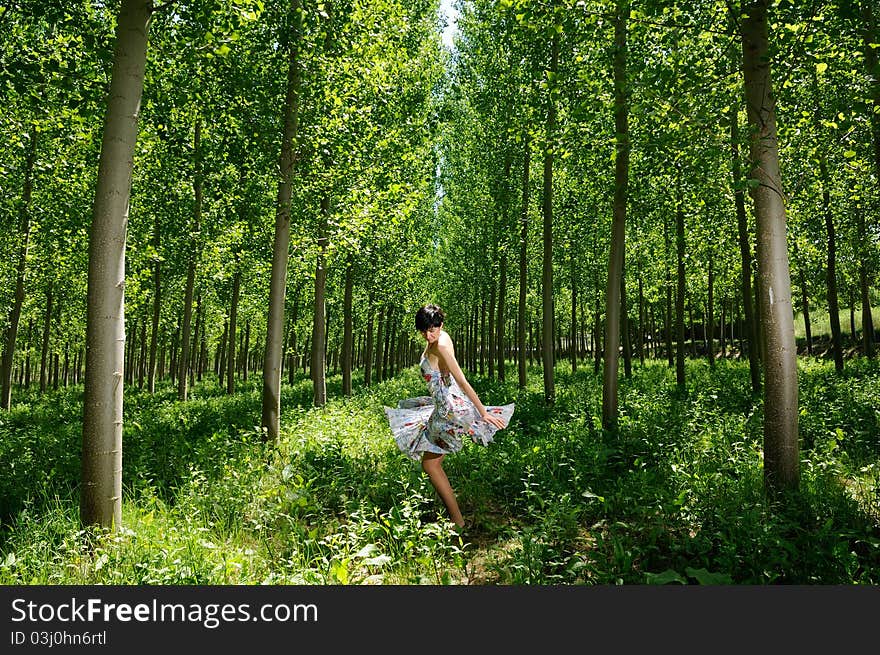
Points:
(275, 187)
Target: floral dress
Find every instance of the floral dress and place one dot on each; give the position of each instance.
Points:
(437, 423)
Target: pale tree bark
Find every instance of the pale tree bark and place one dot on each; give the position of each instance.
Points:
(101, 488)
(781, 458)
(183, 362)
(523, 266)
(233, 323)
(547, 354)
(319, 323)
(271, 403)
(501, 314)
(680, 289)
(610, 374)
(24, 235)
(157, 299)
(347, 335)
(709, 326)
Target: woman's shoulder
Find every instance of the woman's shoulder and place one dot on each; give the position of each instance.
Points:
(445, 341)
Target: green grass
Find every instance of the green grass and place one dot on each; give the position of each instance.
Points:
(820, 323)
(675, 496)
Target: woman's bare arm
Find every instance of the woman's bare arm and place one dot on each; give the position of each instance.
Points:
(446, 355)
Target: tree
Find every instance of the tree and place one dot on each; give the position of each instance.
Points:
(781, 460)
(101, 491)
(618, 230)
(271, 418)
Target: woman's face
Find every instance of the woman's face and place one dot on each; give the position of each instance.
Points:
(432, 334)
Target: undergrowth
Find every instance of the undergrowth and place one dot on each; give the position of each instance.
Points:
(674, 496)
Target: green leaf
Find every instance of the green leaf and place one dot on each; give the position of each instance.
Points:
(821, 67)
(849, 154)
(668, 576)
(590, 494)
(705, 577)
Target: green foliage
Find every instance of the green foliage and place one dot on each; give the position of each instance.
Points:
(674, 497)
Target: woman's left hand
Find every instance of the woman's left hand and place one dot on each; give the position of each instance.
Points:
(493, 420)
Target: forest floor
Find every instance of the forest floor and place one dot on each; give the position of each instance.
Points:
(675, 496)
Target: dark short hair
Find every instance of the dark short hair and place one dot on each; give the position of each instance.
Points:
(429, 316)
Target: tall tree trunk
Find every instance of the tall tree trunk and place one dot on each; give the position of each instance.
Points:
(319, 325)
(680, 288)
(625, 327)
(501, 315)
(157, 306)
(751, 323)
(197, 335)
(101, 475)
(667, 314)
(233, 325)
(521, 345)
(642, 318)
(872, 66)
(24, 235)
(368, 347)
(47, 331)
(618, 223)
(271, 403)
(183, 362)
(709, 327)
(867, 317)
(573, 350)
(547, 355)
(781, 458)
(805, 302)
(831, 268)
(347, 336)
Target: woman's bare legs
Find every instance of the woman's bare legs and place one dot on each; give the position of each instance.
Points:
(432, 464)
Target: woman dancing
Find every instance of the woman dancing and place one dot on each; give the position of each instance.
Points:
(427, 428)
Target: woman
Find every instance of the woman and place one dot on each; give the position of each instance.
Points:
(429, 427)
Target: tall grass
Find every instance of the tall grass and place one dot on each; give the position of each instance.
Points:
(674, 496)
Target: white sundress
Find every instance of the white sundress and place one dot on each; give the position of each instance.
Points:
(437, 423)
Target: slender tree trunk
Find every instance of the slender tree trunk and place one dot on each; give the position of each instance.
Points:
(710, 311)
(47, 331)
(142, 357)
(613, 307)
(547, 355)
(233, 325)
(197, 335)
(751, 323)
(101, 481)
(347, 336)
(24, 235)
(641, 331)
(805, 303)
(625, 327)
(319, 325)
(781, 458)
(867, 317)
(831, 269)
(157, 306)
(680, 290)
(368, 348)
(872, 66)
(521, 345)
(667, 314)
(271, 404)
(183, 362)
(501, 315)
